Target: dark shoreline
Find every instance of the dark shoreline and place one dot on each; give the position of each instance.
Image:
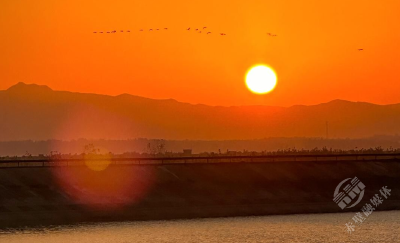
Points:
(156, 215)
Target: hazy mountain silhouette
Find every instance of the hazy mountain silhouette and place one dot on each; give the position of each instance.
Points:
(37, 112)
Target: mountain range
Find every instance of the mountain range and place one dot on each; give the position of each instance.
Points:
(30, 111)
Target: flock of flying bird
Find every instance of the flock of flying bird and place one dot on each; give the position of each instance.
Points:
(198, 30)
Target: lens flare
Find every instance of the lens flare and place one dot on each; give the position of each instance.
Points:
(112, 188)
(94, 180)
(97, 159)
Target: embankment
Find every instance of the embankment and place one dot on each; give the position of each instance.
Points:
(64, 195)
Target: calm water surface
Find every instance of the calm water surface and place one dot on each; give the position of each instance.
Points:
(378, 227)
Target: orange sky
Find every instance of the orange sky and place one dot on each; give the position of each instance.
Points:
(315, 54)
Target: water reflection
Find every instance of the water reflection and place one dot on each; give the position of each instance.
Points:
(380, 227)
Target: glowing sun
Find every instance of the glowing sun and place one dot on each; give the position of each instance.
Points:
(260, 79)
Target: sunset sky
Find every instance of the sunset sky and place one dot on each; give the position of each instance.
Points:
(314, 55)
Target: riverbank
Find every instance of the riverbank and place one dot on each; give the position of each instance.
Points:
(68, 195)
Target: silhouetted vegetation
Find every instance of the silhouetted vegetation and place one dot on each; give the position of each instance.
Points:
(157, 149)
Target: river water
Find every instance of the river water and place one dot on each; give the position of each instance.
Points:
(378, 227)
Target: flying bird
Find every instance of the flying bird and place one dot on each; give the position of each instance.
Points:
(188, 28)
(204, 28)
(208, 33)
(360, 49)
(151, 29)
(101, 32)
(157, 29)
(197, 29)
(95, 32)
(141, 30)
(165, 28)
(129, 31)
(223, 34)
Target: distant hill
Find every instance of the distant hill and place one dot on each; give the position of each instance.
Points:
(38, 113)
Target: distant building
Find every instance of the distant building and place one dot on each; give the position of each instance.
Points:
(187, 152)
(231, 153)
